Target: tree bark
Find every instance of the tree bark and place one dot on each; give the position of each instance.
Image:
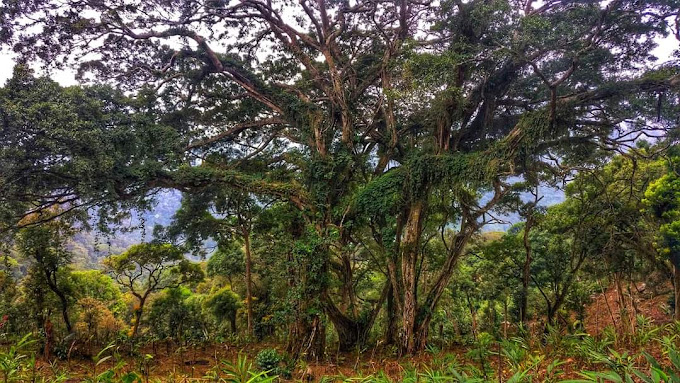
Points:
(526, 273)
(249, 282)
(232, 322)
(410, 245)
(623, 307)
(391, 318)
(353, 331)
(676, 290)
(138, 317)
(63, 300)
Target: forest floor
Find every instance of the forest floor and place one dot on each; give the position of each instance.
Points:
(170, 364)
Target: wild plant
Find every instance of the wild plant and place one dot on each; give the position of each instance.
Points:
(431, 375)
(12, 361)
(239, 372)
(378, 378)
(589, 345)
(553, 371)
(515, 351)
(481, 350)
(115, 374)
(462, 377)
(646, 331)
(622, 369)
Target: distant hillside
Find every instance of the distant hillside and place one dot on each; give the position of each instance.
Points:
(90, 247)
(551, 196)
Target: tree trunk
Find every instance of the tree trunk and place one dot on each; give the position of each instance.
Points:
(552, 310)
(623, 307)
(138, 317)
(353, 329)
(428, 307)
(249, 282)
(306, 336)
(526, 273)
(676, 291)
(232, 322)
(410, 245)
(64, 314)
(52, 283)
(391, 318)
(351, 333)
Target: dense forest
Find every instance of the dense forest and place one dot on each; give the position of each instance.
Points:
(340, 190)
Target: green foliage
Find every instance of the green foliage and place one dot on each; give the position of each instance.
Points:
(240, 371)
(12, 362)
(160, 265)
(622, 368)
(268, 360)
(224, 305)
(227, 261)
(178, 315)
(95, 284)
(663, 199)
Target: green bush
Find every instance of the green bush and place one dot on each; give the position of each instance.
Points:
(268, 360)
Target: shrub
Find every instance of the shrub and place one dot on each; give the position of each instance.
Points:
(268, 360)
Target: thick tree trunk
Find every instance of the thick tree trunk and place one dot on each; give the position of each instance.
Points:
(351, 333)
(353, 329)
(409, 248)
(249, 282)
(422, 333)
(306, 336)
(425, 312)
(349, 303)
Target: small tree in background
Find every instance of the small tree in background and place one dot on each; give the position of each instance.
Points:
(663, 201)
(150, 267)
(223, 305)
(44, 246)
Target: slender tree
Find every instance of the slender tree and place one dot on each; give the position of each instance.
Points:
(45, 247)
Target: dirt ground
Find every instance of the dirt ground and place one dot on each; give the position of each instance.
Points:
(605, 309)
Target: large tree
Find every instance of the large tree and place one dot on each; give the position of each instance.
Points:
(430, 105)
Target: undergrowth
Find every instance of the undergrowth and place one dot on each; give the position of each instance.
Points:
(517, 359)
